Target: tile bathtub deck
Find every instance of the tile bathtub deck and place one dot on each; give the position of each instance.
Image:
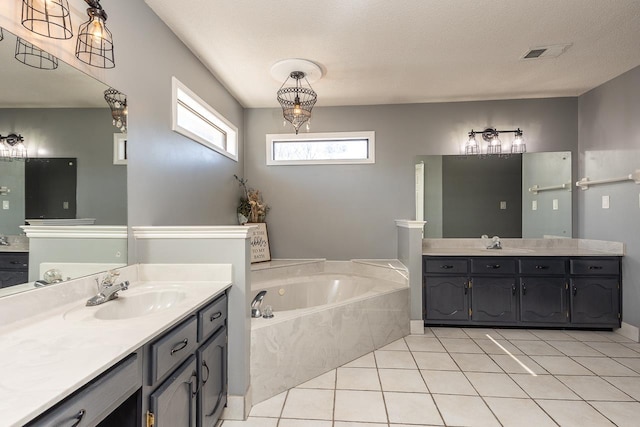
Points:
(471, 377)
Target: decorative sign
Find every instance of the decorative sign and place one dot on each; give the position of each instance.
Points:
(259, 242)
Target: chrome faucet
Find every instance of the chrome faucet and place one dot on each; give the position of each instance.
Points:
(495, 243)
(107, 289)
(257, 303)
(3, 240)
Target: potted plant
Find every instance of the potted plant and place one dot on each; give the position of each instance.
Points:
(251, 207)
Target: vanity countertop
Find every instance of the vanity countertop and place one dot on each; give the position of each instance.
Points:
(47, 357)
(16, 244)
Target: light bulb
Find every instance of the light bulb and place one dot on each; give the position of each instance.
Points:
(96, 31)
(297, 111)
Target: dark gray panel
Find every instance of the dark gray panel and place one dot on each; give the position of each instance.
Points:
(493, 299)
(212, 374)
(173, 403)
(543, 300)
(446, 298)
(172, 348)
(595, 301)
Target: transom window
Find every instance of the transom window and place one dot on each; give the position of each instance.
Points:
(321, 148)
(197, 120)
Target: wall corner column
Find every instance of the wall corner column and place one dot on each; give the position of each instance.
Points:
(410, 254)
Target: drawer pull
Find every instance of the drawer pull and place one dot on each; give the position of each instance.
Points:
(575, 291)
(595, 267)
(215, 316)
(466, 287)
(182, 344)
(493, 266)
(513, 289)
(78, 417)
(15, 262)
(542, 267)
(524, 289)
(446, 267)
(204, 365)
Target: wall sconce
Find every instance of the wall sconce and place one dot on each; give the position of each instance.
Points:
(49, 18)
(494, 144)
(30, 55)
(12, 147)
(95, 42)
(118, 103)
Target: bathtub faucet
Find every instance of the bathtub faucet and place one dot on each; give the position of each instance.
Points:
(257, 303)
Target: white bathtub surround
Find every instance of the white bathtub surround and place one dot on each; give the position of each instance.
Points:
(410, 235)
(52, 345)
(368, 310)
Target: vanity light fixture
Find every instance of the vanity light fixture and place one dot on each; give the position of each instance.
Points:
(1, 35)
(12, 147)
(118, 103)
(494, 144)
(34, 57)
(49, 18)
(95, 42)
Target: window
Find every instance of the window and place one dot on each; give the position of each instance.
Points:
(197, 120)
(321, 148)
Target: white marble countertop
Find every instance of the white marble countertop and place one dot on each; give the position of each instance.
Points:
(47, 357)
(520, 252)
(16, 244)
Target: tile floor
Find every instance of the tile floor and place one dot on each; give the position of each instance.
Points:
(471, 377)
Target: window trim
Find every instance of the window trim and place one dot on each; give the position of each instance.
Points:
(370, 136)
(177, 84)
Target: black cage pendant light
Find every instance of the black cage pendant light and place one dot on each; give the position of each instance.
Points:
(34, 57)
(95, 42)
(49, 18)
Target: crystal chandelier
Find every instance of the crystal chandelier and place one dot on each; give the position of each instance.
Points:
(118, 104)
(297, 101)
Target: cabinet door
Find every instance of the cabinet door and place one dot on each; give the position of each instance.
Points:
(212, 374)
(595, 301)
(493, 299)
(446, 298)
(543, 300)
(173, 403)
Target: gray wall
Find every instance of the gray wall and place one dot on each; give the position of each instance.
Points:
(347, 211)
(83, 133)
(12, 177)
(432, 195)
(609, 144)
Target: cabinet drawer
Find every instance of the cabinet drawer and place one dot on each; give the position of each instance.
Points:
(13, 277)
(546, 266)
(14, 261)
(445, 265)
(173, 348)
(212, 317)
(95, 401)
(493, 265)
(610, 266)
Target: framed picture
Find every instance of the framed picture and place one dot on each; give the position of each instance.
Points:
(259, 241)
(119, 148)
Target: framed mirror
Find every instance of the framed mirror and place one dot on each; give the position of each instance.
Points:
(70, 177)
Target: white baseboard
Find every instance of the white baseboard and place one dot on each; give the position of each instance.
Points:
(238, 407)
(629, 331)
(416, 327)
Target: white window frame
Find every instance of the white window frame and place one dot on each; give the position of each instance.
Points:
(370, 136)
(215, 119)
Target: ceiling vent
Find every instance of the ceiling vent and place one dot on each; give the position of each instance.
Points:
(546, 51)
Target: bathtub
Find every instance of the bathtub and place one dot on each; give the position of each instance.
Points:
(326, 313)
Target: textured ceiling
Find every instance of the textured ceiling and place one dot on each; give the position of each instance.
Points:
(385, 52)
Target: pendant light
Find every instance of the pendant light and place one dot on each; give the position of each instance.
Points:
(49, 18)
(95, 42)
(34, 57)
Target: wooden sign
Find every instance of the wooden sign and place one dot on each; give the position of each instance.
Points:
(259, 241)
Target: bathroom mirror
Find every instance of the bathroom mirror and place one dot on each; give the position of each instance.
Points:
(62, 116)
(516, 196)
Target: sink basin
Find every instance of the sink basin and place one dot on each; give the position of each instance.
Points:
(130, 306)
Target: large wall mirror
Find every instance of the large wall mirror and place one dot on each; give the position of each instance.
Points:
(71, 174)
(516, 196)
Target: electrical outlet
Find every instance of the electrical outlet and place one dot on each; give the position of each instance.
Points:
(555, 204)
(605, 202)
(5, 205)
(65, 205)
(503, 205)
(534, 205)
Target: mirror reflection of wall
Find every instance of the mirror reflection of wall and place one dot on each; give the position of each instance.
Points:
(466, 197)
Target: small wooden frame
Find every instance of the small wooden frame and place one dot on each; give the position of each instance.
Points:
(259, 241)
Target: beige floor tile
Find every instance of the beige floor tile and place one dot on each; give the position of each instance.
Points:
(495, 385)
(366, 361)
(355, 424)
(435, 361)
(285, 422)
(629, 385)
(395, 359)
(517, 334)
(398, 345)
(460, 345)
(309, 404)
(573, 414)
(519, 412)
(511, 366)
(633, 346)
(365, 406)
(326, 381)
(605, 366)
(419, 343)
(464, 411)
(412, 408)
(613, 349)
(587, 336)
(428, 333)
(269, 408)
(481, 333)
(497, 347)
(575, 348)
(594, 388)
(358, 379)
(475, 362)
(449, 333)
(551, 335)
(623, 414)
(409, 380)
(448, 382)
(544, 387)
(615, 337)
(536, 348)
(629, 362)
(561, 365)
(252, 422)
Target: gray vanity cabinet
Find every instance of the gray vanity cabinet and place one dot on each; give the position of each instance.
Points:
(446, 298)
(212, 374)
(493, 299)
(14, 268)
(543, 300)
(173, 403)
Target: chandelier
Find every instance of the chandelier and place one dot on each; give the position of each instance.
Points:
(297, 101)
(95, 42)
(494, 144)
(118, 104)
